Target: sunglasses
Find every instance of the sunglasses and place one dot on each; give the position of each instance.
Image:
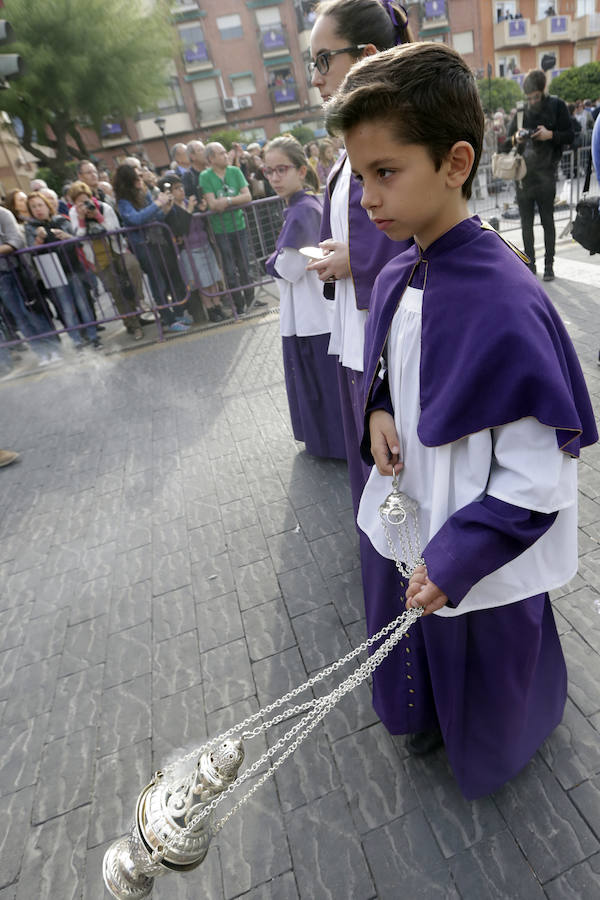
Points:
(321, 63)
(277, 170)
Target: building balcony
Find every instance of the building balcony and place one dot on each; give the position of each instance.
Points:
(305, 16)
(554, 29)
(113, 133)
(273, 41)
(196, 57)
(587, 27)
(512, 33)
(175, 123)
(181, 10)
(284, 96)
(435, 18)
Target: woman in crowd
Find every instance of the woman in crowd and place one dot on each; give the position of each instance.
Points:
(305, 316)
(326, 159)
(117, 268)
(60, 271)
(152, 248)
(16, 201)
(344, 32)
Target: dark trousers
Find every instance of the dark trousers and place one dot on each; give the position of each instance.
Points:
(234, 250)
(540, 193)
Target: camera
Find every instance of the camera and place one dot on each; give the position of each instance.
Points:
(524, 133)
(90, 207)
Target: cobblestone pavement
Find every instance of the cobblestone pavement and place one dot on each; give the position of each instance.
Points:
(170, 559)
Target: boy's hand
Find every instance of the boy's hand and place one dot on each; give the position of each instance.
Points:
(423, 592)
(385, 445)
(335, 265)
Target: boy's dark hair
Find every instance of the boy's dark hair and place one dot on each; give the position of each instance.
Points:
(425, 91)
(172, 180)
(535, 80)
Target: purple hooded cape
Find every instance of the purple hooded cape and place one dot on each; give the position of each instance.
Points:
(493, 348)
(369, 249)
(301, 222)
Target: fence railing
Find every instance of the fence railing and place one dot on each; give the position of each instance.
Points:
(74, 285)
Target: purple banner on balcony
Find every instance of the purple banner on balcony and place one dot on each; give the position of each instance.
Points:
(196, 52)
(285, 95)
(516, 28)
(435, 8)
(273, 40)
(558, 25)
(111, 128)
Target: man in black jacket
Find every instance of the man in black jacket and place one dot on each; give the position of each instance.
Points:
(546, 130)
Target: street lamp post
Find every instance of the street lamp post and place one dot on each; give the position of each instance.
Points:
(160, 124)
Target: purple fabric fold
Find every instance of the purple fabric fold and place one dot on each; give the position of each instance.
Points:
(301, 221)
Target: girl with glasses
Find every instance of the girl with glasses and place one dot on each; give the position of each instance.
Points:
(344, 32)
(305, 316)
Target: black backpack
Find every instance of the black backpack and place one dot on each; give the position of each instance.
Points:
(586, 225)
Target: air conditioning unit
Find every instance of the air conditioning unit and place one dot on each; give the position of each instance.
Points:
(230, 104)
(245, 102)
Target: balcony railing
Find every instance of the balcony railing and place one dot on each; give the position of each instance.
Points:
(284, 95)
(435, 14)
(587, 27)
(273, 40)
(553, 29)
(196, 57)
(512, 33)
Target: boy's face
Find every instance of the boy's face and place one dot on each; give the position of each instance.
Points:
(402, 192)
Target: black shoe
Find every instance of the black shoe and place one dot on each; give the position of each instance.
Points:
(423, 742)
(219, 314)
(256, 304)
(97, 344)
(100, 328)
(548, 273)
(212, 314)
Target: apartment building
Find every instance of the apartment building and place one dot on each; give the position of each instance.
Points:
(513, 35)
(242, 64)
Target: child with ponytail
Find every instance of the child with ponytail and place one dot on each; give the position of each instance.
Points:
(305, 316)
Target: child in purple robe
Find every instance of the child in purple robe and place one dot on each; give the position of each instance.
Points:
(474, 395)
(305, 315)
(344, 31)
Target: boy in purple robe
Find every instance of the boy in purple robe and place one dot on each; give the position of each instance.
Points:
(475, 399)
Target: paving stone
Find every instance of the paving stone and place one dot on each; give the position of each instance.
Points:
(277, 517)
(76, 702)
(13, 626)
(178, 725)
(218, 621)
(320, 637)
(227, 675)
(31, 688)
(581, 881)
(212, 578)
(256, 583)
(125, 715)
(310, 772)
(130, 606)
(68, 764)
(572, 752)
(169, 538)
(405, 860)
(171, 572)
(354, 712)
(495, 868)
(456, 823)
(15, 812)
(583, 667)
(586, 797)
(267, 629)
(54, 858)
(582, 610)
(547, 827)
(346, 592)
(132, 566)
(45, 637)
(119, 778)
(239, 514)
(328, 859)
(334, 554)
(20, 750)
(176, 664)
(278, 674)
(283, 887)
(127, 655)
(92, 598)
(202, 511)
(247, 546)
(207, 542)
(173, 613)
(253, 846)
(56, 592)
(304, 589)
(289, 550)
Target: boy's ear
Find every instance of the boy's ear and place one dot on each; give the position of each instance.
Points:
(460, 161)
(369, 50)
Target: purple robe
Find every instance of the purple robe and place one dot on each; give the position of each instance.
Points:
(493, 350)
(310, 373)
(369, 251)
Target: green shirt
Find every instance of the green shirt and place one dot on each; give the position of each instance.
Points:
(229, 186)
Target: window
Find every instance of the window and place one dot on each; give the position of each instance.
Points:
(583, 55)
(230, 27)
(194, 45)
(282, 84)
(173, 99)
(506, 9)
(462, 42)
(243, 86)
(584, 8)
(208, 100)
(268, 17)
(508, 65)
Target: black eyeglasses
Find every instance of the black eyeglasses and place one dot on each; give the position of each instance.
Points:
(321, 63)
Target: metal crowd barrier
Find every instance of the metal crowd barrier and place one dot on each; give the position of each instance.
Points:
(72, 286)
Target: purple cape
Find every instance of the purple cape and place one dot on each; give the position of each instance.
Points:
(369, 249)
(493, 348)
(301, 221)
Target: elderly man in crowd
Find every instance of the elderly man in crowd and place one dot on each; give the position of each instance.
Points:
(179, 160)
(191, 180)
(226, 190)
